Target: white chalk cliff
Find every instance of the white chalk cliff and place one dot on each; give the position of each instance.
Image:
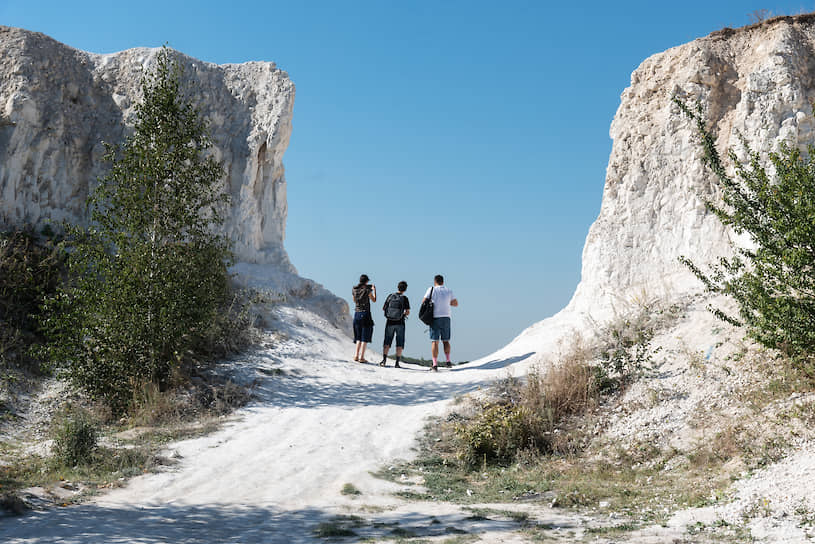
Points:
(58, 104)
(757, 81)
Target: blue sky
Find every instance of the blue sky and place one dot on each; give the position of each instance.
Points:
(457, 137)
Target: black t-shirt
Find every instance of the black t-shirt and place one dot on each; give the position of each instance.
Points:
(405, 306)
(362, 300)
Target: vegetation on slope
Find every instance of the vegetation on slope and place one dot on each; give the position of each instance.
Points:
(772, 278)
(148, 275)
(130, 308)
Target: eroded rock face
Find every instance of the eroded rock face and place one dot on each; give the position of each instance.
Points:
(57, 105)
(758, 82)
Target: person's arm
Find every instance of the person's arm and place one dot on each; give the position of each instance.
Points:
(454, 302)
(372, 293)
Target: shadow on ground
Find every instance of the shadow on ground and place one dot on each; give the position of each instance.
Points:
(175, 524)
(496, 363)
(305, 390)
(304, 393)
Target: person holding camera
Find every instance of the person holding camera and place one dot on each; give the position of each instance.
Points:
(363, 294)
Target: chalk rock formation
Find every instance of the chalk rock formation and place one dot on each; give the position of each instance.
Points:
(58, 104)
(757, 81)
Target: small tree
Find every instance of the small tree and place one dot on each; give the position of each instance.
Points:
(149, 273)
(773, 281)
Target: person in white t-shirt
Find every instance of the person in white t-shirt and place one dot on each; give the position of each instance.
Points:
(443, 299)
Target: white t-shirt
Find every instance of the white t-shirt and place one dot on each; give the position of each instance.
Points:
(441, 300)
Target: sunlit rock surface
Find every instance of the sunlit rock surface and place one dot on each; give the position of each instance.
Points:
(58, 104)
(758, 82)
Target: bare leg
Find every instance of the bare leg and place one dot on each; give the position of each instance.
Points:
(362, 351)
(434, 349)
(398, 351)
(356, 352)
(447, 350)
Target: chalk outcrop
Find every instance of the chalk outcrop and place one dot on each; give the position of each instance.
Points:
(58, 104)
(757, 81)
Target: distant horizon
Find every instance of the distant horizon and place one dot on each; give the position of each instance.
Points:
(463, 138)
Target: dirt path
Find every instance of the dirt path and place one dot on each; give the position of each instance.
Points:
(276, 473)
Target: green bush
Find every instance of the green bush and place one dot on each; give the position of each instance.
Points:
(75, 439)
(771, 201)
(148, 277)
(531, 415)
(498, 433)
(30, 270)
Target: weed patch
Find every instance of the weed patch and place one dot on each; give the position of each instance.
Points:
(75, 438)
(350, 489)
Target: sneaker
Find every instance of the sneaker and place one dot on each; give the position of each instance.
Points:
(448, 364)
(434, 368)
(397, 365)
(382, 363)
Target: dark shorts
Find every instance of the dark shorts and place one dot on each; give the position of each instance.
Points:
(363, 330)
(440, 329)
(398, 330)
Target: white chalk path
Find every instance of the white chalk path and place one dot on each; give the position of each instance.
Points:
(275, 473)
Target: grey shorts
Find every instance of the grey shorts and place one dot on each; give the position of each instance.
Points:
(440, 329)
(398, 330)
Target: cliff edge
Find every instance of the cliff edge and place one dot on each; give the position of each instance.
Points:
(758, 81)
(58, 104)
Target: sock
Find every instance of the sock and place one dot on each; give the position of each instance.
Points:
(398, 358)
(434, 361)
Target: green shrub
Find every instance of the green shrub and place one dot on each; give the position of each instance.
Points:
(771, 201)
(232, 330)
(75, 439)
(497, 433)
(531, 416)
(30, 270)
(148, 277)
(350, 489)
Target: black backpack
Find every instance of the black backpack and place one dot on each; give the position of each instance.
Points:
(426, 309)
(394, 307)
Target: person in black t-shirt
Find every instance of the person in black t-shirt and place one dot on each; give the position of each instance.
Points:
(363, 294)
(396, 308)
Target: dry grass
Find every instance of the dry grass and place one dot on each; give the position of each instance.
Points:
(575, 465)
(802, 19)
(212, 396)
(530, 416)
(567, 389)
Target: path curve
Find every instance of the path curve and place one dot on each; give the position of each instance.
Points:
(276, 471)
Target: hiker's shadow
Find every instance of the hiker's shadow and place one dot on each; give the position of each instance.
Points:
(305, 392)
(496, 363)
